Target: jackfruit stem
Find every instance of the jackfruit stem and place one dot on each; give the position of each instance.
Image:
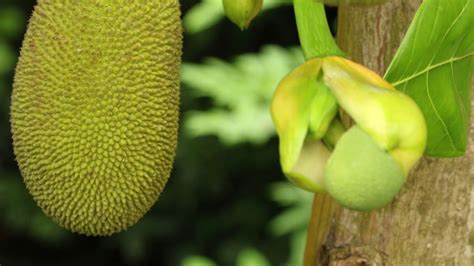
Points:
(313, 30)
(334, 133)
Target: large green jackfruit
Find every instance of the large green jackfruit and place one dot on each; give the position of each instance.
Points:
(95, 109)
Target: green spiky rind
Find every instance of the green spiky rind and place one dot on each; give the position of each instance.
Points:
(360, 175)
(95, 109)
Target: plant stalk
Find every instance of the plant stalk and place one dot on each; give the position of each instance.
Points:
(313, 30)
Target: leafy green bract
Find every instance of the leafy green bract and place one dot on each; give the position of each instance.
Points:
(434, 66)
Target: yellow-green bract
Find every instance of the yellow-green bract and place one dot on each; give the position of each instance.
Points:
(95, 109)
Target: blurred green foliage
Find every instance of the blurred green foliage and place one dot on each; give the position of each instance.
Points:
(227, 202)
(250, 256)
(198, 261)
(8, 56)
(241, 92)
(12, 22)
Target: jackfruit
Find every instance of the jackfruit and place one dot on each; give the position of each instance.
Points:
(95, 108)
(360, 175)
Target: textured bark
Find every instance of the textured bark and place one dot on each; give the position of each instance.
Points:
(431, 220)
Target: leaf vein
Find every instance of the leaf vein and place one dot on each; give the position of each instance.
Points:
(448, 31)
(431, 67)
(455, 87)
(434, 23)
(437, 113)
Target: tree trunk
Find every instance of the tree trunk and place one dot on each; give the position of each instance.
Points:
(431, 220)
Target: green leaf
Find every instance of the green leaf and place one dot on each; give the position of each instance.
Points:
(434, 66)
(241, 92)
(251, 257)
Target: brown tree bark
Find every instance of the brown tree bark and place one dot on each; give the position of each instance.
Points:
(431, 220)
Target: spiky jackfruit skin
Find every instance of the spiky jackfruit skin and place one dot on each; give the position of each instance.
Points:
(95, 109)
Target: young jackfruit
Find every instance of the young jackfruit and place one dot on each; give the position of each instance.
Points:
(360, 175)
(95, 109)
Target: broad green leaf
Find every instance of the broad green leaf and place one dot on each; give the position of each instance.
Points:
(434, 66)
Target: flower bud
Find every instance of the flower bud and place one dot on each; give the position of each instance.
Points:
(370, 161)
(242, 12)
(360, 175)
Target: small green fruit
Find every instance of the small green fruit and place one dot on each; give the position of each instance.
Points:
(242, 12)
(360, 175)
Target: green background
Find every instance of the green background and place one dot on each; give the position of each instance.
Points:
(227, 202)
